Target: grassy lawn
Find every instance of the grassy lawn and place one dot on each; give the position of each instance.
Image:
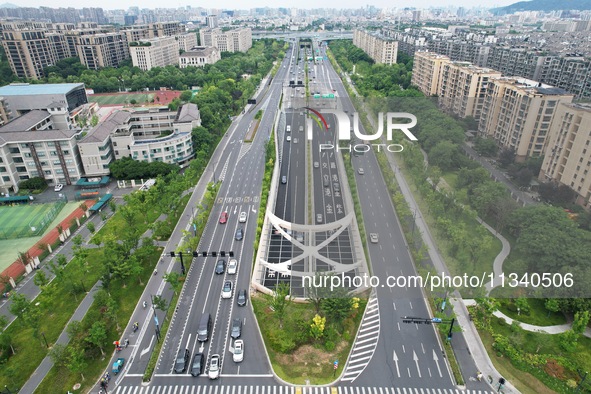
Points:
(126, 296)
(117, 224)
(58, 302)
(309, 362)
(537, 315)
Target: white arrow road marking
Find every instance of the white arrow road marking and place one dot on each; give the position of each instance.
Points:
(396, 362)
(235, 209)
(436, 359)
(146, 350)
(252, 209)
(202, 347)
(416, 359)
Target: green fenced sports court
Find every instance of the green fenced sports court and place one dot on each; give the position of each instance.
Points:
(123, 98)
(20, 221)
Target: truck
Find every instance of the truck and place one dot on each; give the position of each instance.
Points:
(118, 365)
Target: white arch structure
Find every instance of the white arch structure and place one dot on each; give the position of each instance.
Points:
(309, 250)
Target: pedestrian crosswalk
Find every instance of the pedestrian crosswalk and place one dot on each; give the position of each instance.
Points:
(366, 342)
(215, 389)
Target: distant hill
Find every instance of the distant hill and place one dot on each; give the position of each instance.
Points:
(8, 5)
(544, 5)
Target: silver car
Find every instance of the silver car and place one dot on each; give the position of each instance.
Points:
(214, 367)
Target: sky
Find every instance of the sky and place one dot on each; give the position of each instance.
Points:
(235, 4)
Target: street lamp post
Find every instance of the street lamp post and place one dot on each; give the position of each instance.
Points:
(45, 339)
(7, 390)
(157, 329)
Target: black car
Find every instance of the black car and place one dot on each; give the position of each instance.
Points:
(239, 234)
(241, 299)
(236, 328)
(198, 364)
(220, 267)
(180, 365)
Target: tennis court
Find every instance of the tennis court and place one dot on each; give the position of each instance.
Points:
(120, 98)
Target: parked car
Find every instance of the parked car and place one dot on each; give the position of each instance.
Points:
(214, 367)
(220, 267)
(232, 267)
(58, 187)
(241, 298)
(180, 365)
(198, 364)
(236, 328)
(238, 355)
(227, 289)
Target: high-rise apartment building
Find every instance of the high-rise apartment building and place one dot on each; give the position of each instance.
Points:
(567, 160)
(187, 41)
(102, 50)
(236, 40)
(463, 88)
(517, 114)
(153, 30)
(381, 49)
(426, 74)
(211, 21)
(155, 52)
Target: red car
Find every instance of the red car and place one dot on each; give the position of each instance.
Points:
(223, 217)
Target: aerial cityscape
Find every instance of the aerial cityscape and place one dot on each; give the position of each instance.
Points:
(335, 198)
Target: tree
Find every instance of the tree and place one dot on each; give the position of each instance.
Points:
(75, 331)
(24, 258)
(174, 280)
(552, 305)
(186, 95)
(281, 299)
(477, 245)
(338, 305)
(97, 335)
(580, 322)
(90, 226)
(59, 355)
(521, 304)
(94, 120)
(28, 314)
(317, 290)
(485, 146)
(76, 360)
(443, 155)
(506, 157)
(159, 303)
(40, 279)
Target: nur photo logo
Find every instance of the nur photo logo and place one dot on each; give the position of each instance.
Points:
(344, 128)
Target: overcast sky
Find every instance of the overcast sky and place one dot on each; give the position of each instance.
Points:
(235, 4)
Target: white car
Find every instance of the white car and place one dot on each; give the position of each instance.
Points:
(373, 237)
(232, 267)
(288, 138)
(58, 187)
(361, 171)
(238, 355)
(214, 367)
(227, 290)
(242, 217)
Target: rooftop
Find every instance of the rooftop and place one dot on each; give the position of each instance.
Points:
(34, 136)
(21, 89)
(104, 129)
(25, 122)
(188, 113)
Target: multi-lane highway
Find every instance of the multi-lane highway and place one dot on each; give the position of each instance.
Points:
(388, 357)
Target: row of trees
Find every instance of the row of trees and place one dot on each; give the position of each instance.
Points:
(377, 80)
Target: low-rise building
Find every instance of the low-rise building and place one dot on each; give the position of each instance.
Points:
(147, 134)
(199, 57)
